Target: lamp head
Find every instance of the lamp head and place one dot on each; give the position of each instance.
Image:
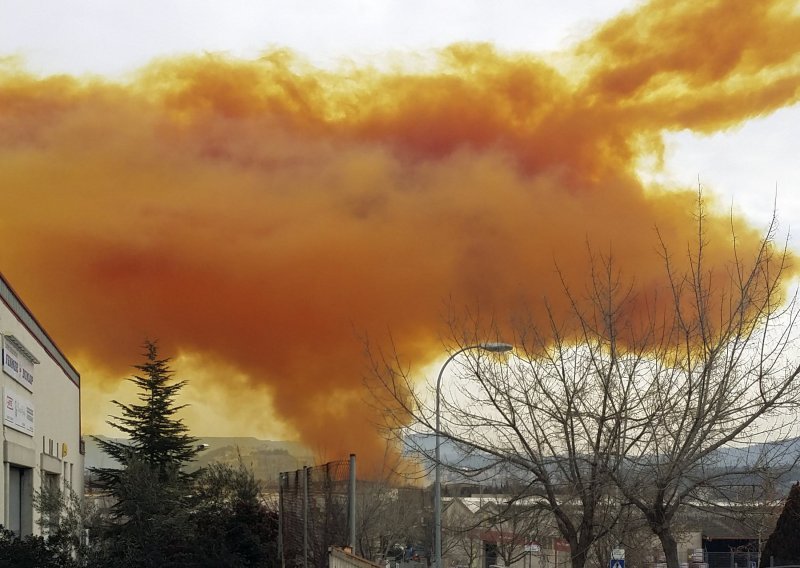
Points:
(496, 347)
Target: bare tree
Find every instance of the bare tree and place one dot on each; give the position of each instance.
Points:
(508, 525)
(516, 524)
(630, 533)
(719, 381)
(463, 543)
(645, 397)
(548, 420)
(466, 547)
(388, 515)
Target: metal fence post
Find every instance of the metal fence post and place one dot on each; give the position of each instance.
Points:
(280, 521)
(305, 516)
(352, 503)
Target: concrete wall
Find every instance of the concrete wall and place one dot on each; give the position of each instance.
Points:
(341, 558)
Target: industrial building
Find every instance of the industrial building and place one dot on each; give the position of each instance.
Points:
(41, 415)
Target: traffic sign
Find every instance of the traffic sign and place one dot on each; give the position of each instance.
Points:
(617, 554)
(617, 563)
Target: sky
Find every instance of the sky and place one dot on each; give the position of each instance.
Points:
(263, 185)
(114, 39)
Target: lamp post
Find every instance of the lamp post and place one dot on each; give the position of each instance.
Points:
(437, 484)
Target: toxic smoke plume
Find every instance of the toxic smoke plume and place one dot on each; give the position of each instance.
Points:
(258, 217)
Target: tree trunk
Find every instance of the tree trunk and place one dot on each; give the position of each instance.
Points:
(670, 547)
(578, 555)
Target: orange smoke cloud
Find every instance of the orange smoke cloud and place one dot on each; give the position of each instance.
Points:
(261, 216)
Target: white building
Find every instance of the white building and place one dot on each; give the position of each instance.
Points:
(41, 415)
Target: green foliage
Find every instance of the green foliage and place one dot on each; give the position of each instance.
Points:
(223, 522)
(233, 526)
(156, 436)
(783, 545)
(153, 525)
(163, 517)
(63, 516)
(150, 518)
(34, 551)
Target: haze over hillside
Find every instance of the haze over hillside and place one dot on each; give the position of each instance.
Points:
(267, 458)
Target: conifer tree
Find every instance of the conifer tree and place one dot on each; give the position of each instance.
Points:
(155, 435)
(151, 515)
(783, 545)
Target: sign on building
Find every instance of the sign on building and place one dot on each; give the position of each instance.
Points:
(17, 365)
(18, 413)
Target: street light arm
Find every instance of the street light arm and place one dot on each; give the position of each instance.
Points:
(437, 486)
(491, 347)
(439, 385)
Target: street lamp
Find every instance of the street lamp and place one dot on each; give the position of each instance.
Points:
(437, 484)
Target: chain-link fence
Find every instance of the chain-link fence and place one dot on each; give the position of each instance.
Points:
(314, 512)
(733, 559)
(704, 559)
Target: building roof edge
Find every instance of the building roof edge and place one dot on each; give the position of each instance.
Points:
(26, 318)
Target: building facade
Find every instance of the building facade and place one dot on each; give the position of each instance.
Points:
(41, 415)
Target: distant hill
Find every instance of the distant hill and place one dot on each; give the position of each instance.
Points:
(267, 458)
(466, 465)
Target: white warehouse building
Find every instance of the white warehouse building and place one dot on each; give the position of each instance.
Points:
(41, 415)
